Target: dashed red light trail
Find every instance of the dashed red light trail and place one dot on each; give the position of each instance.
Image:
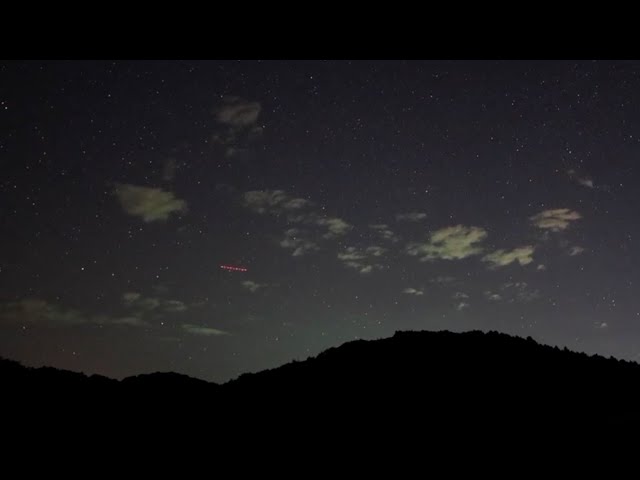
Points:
(233, 269)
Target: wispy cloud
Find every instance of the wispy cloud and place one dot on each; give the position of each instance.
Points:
(35, 311)
(38, 311)
(253, 286)
(363, 268)
(335, 226)
(136, 310)
(297, 211)
(169, 170)
(237, 112)
(450, 243)
(174, 306)
(555, 219)
(375, 250)
(492, 297)
(131, 321)
(204, 331)
(352, 254)
(237, 119)
(411, 217)
(583, 180)
(294, 240)
(462, 305)
(150, 204)
(442, 280)
(363, 260)
(413, 291)
(518, 292)
(136, 301)
(384, 232)
(276, 202)
(576, 250)
(459, 295)
(501, 258)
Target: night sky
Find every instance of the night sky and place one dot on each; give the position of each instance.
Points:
(362, 197)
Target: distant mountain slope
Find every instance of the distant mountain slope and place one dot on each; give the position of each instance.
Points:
(434, 379)
(473, 376)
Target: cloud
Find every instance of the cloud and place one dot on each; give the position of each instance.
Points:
(174, 306)
(148, 303)
(295, 204)
(541, 267)
(375, 250)
(362, 260)
(583, 180)
(413, 291)
(492, 297)
(459, 295)
(42, 312)
(135, 301)
(237, 119)
(411, 217)
(131, 321)
(130, 297)
(450, 243)
(576, 250)
(276, 202)
(442, 279)
(556, 219)
(518, 292)
(515, 285)
(351, 254)
(362, 268)
(296, 210)
(586, 182)
(205, 331)
(501, 258)
(237, 113)
(150, 204)
(225, 188)
(299, 245)
(602, 325)
(169, 170)
(336, 226)
(385, 232)
(253, 286)
(461, 306)
(38, 311)
(227, 138)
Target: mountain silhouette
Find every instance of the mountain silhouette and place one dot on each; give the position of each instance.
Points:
(423, 382)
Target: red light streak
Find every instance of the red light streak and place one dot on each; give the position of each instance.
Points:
(233, 269)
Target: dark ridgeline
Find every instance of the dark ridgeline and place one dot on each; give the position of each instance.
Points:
(423, 382)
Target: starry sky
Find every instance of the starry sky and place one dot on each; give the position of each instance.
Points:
(362, 197)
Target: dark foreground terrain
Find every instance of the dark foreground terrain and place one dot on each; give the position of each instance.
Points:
(455, 387)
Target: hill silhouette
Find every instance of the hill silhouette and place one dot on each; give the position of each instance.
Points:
(419, 381)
